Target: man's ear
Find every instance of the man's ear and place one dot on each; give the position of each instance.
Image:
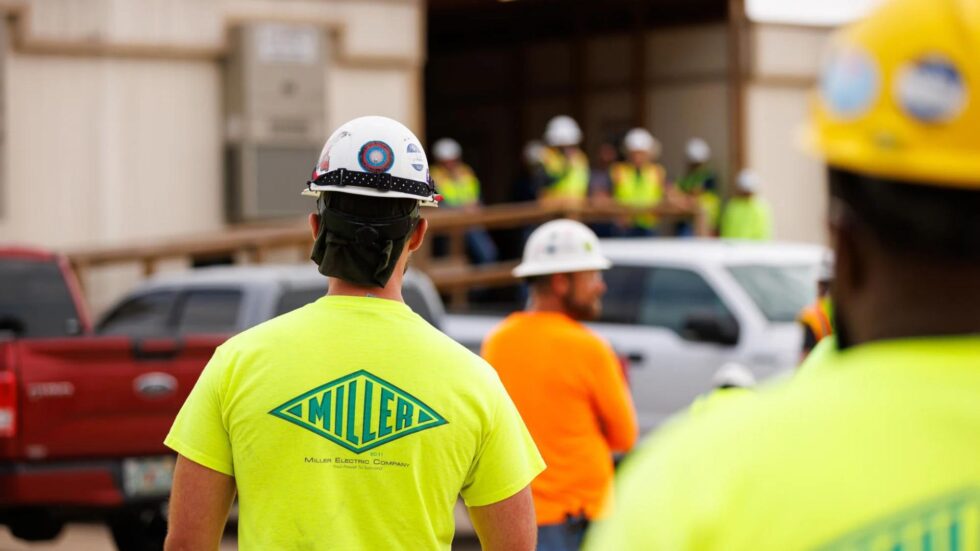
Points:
(851, 253)
(314, 220)
(418, 235)
(560, 284)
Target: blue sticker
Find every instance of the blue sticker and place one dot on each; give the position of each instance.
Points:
(931, 90)
(850, 82)
(412, 148)
(376, 156)
(418, 166)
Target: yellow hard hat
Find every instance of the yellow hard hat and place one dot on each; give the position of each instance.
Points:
(899, 97)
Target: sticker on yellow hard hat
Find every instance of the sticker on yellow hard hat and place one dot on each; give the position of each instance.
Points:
(850, 82)
(931, 90)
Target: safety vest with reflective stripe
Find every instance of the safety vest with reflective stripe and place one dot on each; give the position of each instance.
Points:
(817, 317)
(459, 191)
(638, 187)
(568, 174)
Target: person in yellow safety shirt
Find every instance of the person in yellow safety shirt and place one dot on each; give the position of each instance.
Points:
(460, 188)
(351, 423)
(639, 182)
(565, 164)
(817, 319)
(746, 215)
(732, 381)
(700, 184)
(875, 448)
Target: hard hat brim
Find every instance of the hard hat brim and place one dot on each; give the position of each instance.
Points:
(531, 269)
(315, 191)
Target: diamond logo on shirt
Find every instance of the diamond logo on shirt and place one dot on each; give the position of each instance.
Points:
(359, 412)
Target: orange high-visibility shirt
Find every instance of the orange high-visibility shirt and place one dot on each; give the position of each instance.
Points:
(568, 386)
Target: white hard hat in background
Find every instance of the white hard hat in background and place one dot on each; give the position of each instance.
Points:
(698, 150)
(446, 149)
(373, 156)
(747, 181)
(562, 131)
(733, 374)
(532, 152)
(561, 246)
(639, 139)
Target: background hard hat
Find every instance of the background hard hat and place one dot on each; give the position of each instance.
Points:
(446, 149)
(532, 152)
(900, 95)
(639, 139)
(561, 246)
(374, 145)
(747, 181)
(562, 131)
(733, 374)
(698, 150)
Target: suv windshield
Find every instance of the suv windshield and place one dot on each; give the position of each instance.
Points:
(34, 300)
(780, 292)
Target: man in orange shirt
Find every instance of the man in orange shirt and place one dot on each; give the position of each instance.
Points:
(565, 380)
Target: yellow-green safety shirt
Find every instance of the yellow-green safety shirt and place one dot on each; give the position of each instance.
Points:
(638, 187)
(351, 423)
(718, 398)
(461, 190)
(569, 174)
(746, 218)
(877, 450)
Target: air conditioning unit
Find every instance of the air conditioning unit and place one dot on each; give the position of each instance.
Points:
(275, 113)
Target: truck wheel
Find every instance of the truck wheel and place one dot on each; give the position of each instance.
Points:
(139, 529)
(34, 526)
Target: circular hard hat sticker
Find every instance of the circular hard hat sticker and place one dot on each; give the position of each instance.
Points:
(376, 156)
(931, 90)
(849, 84)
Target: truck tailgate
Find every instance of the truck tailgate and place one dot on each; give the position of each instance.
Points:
(101, 396)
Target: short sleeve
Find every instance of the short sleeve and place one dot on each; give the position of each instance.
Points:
(507, 461)
(199, 432)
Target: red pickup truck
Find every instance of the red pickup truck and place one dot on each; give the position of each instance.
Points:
(83, 417)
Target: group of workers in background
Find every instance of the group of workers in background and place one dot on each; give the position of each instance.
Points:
(561, 172)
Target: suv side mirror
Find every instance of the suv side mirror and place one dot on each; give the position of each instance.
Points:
(711, 328)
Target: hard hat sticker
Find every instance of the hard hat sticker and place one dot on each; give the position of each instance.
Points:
(376, 156)
(412, 148)
(850, 82)
(931, 90)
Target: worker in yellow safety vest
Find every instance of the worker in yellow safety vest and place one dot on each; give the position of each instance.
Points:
(638, 182)
(564, 163)
(460, 188)
(817, 318)
(746, 215)
(876, 447)
(700, 184)
(732, 381)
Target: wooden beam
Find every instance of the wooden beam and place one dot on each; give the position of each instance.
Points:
(736, 87)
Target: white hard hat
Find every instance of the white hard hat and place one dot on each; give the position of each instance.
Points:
(698, 150)
(639, 139)
(747, 181)
(561, 246)
(446, 149)
(561, 131)
(733, 374)
(532, 152)
(376, 157)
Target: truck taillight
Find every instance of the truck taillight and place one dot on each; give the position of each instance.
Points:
(8, 404)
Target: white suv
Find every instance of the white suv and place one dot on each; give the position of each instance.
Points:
(677, 309)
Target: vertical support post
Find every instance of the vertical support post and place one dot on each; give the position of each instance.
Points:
(736, 87)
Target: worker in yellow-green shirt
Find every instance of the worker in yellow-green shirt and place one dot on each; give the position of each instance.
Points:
(565, 164)
(638, 182)
(876, 447)
(351, 423)
(746, 215)
(460, 189)
(732, 381)
(700, 184)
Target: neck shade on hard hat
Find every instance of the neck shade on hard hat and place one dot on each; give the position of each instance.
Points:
(360, 250)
